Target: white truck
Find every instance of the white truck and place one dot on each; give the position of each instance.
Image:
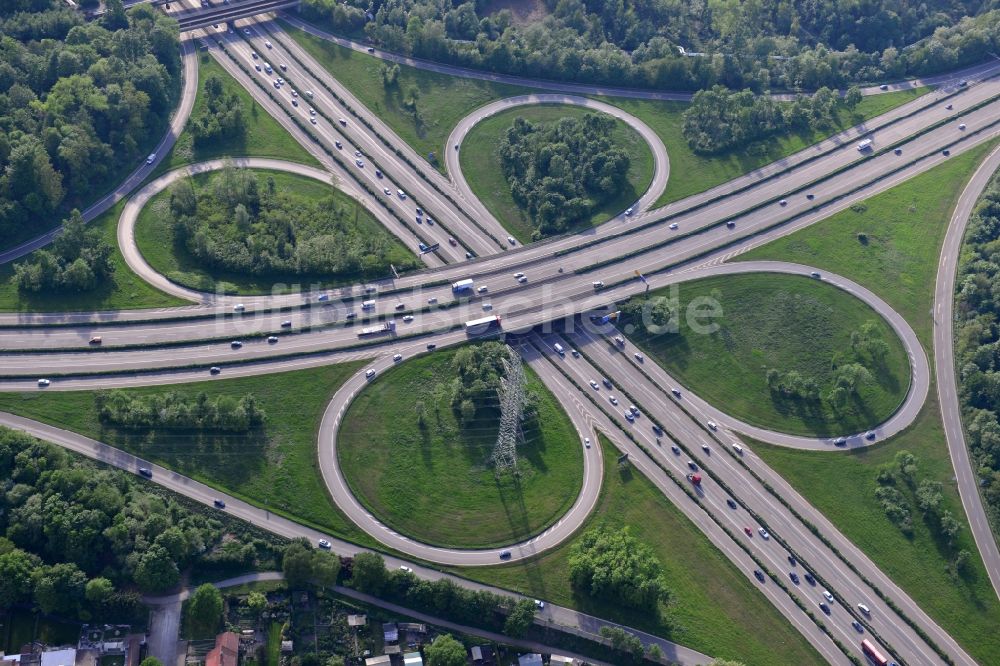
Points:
(865, 145)
(384, 327)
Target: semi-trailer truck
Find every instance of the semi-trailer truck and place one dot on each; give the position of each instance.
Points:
(384, 327)
(462, 287)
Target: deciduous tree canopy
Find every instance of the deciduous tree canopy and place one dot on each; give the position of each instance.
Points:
(616, 566)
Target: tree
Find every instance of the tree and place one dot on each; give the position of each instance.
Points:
(256, 602)
(297, 563)
(624, 641)
(59, 588)
(156, 571)
(520, 618)
(204, 610)
(98, 592)
(655, 652)
(326, 568)
(853, 97)
(616, 566)
(16, 567)
(445, 651)
(369, 573)
(151, 661)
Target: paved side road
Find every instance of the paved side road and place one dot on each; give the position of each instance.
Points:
(944, 367)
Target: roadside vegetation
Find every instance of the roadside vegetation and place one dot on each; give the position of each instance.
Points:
(943, 573)
(784, 352)
(549, 169)
(889, 242)
(272, 465)
(423, 107)
(82, 541)
(246, 129)
(976, 341)
(712, 608)
(82, 103)
(120, 290)
(416, 445)
(681, 45)
(244, 231)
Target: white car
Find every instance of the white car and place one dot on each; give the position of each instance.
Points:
(482, 290)
(408, 318)
(401, 194)
(150, 158)
(613, 400)
(522, 279)
(828, 596)
(518, 276)
(403, 567)
(510, 239)
(594, 385)
(487, 307)
(586, 442)
(312, 111)
(43, 382)
(313, 120)
(323, 543)
(864, 609)
(673, 226)
(639, 357)
(628, 212)
(309, 94)
(763, 533)
(369, 373)
(268, 44)
(712, 425)
(397, 357)
(361, 165)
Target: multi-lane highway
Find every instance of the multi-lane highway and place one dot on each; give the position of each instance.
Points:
(684, 240)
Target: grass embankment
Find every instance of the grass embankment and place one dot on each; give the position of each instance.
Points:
(444, 100)
(264, 137)
(124, 291)
(714, 608)
(904, 226)
(154, 235)
(842, 486)
(787, 323)
(481, 165)
(276, 469)
(897, 256)
(436, 484)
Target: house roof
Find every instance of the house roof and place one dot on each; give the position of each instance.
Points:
(533, 659)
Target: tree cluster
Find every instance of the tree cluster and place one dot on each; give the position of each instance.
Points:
(719, 119)
(478, 608)
(76, 99)
(898, 480)
(616, 566)
(78, 540)
(242, 223)
(977, 343)
(479, 369)
(172, 410)
(304, 565)
(685, 45)
(78, 260)
(560, 172)
(223, 116)
(445, 651)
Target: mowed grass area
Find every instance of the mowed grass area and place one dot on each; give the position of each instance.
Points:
(714, 608)
(441, 100)
(784, 322)
(264, 137)
(897, 258)
(124, 291)
(154, 235)
(480, 161)
(842, 485)
(276, 469)
(436, 484)
(691, 173)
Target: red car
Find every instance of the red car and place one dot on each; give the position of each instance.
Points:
(748, 531)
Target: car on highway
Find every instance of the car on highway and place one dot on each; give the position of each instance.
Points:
(759, 574)
(858, 627)
(150, 158)
(313, 120)
(295, 102)
(673, 226)
(309, 94)
(864, 609)
(809, 578)
(633, 410)
(432, 300)
(369, 373)
(748, 531)
(586, 442)
(378, 173)
(738, 449)
(613, 400)
(423, 248)
(253, 54)
(692, 464)
(312, 111)
(214, 370)
(730, 502)
(594, 385)
(339, 145)
(400, 306)
(286, 324)
(482, 289)
(676, 449)
(236, 344)
(342, 121)
(246, 31)
(518, 276)
(430, 222)
(815, 274)
(257, 67)
(539, 604)
(946, 152)
(764, 534)
(962, 126)
(828, 596)
(371, 49)
(574, 353)
(219, 503)
(408, 318)
(510, 239)
(606, 382)
(730, 224)
(597, 284)
(712, 425)
(283, 66)
(963, 83)
(404, 568)
(898, 151)
(504, 554)
(397, 358)
(823, 607)
(522, 279)
(840, 441)
(323, 543)
(620, 341)
(883, 87)
(272, 339)
(401, 194)
(705, 448)
(431, 347)
(794, 576)
(360, 164)
(146, 472)
(96, 340)
(239, 307)
(792, 560)
(487, 306)
(639, 357)
(268, 44)
(810, 196)
(870, 435)
(676, 392)
(628, 212)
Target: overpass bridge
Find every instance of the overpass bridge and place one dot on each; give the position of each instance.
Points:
(218, 11)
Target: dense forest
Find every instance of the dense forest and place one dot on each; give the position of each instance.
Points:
(77, 102)
(77, 540)
(676, 44)
(560, 173)
(240, 221)
(977, 342)
(79, 259)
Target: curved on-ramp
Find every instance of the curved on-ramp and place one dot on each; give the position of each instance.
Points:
(661, 161)
(564, 527)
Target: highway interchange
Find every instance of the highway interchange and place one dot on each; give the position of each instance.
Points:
(559, 286)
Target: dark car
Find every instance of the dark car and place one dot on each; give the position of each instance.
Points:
(794, 576)
(898, 151)
(146, 472)
(431, 347)
(235, 344)
(730, 503)
(946, 152)
(792, 560)
(286, 324)
(823, 607)
(731, 224)
(504, 554)
(606, 382)
(809, 578)
(219, 503)
(215, 370)
(759, 574)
